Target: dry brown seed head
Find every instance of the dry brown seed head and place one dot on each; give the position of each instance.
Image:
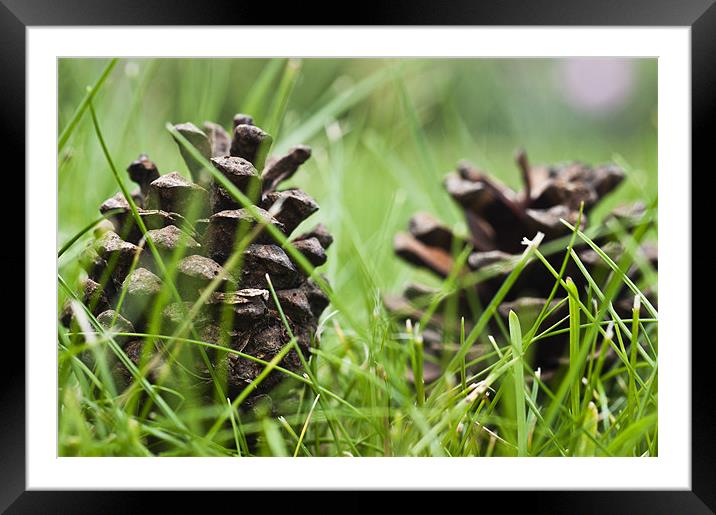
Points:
(257, 328)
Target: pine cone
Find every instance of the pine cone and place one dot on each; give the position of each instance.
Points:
(498, 219)
(203, 222)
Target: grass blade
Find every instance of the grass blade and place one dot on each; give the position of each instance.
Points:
(586, 445)
(86, 101)
(416, 345)
(574, 344)
(305, 425)
(519, 384)
(633, 397)
(234, 428)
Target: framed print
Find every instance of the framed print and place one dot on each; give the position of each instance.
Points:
(424, 252)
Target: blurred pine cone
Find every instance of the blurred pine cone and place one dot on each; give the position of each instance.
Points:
(200, 224)
(498, 219)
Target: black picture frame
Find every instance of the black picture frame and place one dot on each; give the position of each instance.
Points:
(16, 15)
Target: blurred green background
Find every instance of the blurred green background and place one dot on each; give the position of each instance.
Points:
(384, 133)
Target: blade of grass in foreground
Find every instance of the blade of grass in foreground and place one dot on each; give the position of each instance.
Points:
(633, 397)
(574, 344)
(585, 445)
(519, 383)
(416, 344)
(299, 444)
(273, 438)
(628, 438)
(91, 92)
(234, 428)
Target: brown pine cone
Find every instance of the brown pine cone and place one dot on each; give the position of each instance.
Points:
(199, 223)
(498, 219)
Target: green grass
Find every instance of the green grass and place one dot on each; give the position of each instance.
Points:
(384, 133)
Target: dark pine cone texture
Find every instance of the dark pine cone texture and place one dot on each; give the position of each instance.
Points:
(498, 219)
(202, 219)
